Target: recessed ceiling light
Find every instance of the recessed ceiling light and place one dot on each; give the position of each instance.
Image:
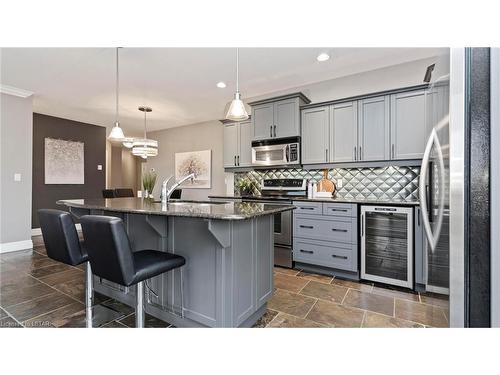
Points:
(323, 57)
(221, 85)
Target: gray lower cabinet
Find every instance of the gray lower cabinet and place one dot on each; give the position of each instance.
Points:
(315, 132)
(326, 234)
(238, 144)
(408, 127)
(373, 126)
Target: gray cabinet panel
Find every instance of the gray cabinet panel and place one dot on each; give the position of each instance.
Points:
(309, 208)
(315, 123)
(420, 246)
(286, 118)
(408, 127)
(327, 254)
(263, 121)
(245, 144)
(230, 144)
(326, 228)
(373, 126)
(343, 132)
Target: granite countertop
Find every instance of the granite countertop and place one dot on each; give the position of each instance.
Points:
(323, 200)
(196, 209)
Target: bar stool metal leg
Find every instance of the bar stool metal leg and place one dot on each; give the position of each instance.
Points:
(89, 295)
(139, 306)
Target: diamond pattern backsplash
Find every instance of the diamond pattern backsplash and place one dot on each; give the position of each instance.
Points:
(380, 183)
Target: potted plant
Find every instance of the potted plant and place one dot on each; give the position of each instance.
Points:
(148, 183)
(245, 186)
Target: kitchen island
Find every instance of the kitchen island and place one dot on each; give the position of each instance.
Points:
(229, 251)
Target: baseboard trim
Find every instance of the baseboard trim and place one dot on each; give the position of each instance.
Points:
(8, 247)
(38, 231)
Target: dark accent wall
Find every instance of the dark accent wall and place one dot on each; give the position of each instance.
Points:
(94, 139)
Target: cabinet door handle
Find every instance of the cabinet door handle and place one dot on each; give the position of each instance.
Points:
(307, 251)
(338, 209)
(360, 148)
(238, 160)
(274, 131)
(271, 131)
(339, 256)
(392, 150)
(235, 160)
(326, 155)
(307, 208)
(339, 230)
(306, 226)
(362, 225)
(355, 154)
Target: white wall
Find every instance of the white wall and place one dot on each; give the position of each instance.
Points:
(16, 139)
(197, 137)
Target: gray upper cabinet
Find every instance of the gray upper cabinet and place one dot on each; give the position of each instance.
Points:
(373, 126)
(408, 126)
(230, 144)
(263, 121)
(343, 132)
(238, 144)
(277, 117)
(286, 118)
(245, 144)
(315, 124)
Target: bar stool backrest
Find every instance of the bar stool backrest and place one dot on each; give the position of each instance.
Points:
(109, 248)
(60, 236)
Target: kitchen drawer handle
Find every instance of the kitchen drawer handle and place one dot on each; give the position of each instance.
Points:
(339, 230)
(339, 256)
(307, 208)
(338, 209)
(306, 226)
(307, 251)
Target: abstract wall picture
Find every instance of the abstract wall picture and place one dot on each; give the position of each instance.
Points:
(64, 163)
(197, 162)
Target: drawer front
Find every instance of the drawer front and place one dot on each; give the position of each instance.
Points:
(309, 208)
(339, 209)
(327, 254)
(325, 228)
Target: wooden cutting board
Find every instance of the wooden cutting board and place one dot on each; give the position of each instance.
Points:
(326, 184)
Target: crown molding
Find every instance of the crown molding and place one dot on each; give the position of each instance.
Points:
(14, 91)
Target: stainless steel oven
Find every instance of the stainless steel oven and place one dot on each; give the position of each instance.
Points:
(282, 236)
(285, 151)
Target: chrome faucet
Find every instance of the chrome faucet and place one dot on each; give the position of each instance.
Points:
(166, 193)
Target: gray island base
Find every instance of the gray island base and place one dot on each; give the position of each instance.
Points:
(228, 276)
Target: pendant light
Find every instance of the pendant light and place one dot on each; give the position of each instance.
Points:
(116, 134)
(144, 147)
(237, 111)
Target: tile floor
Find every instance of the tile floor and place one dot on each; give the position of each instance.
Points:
(39, 292)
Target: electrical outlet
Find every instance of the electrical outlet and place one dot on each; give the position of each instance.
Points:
(339, 183)
(99, 167)
(17, 177)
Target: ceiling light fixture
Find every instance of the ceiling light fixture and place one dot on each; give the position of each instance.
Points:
(237, 111)
(323, 57)
(116, 134)
(221, 85)
(144, 147)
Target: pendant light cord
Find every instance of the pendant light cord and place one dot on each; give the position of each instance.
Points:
(237, 69)
(117, 88)
(145, 137)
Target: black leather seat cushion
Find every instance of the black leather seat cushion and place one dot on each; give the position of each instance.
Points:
(150, 263)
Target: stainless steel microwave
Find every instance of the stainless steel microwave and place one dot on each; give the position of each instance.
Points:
(285, 151)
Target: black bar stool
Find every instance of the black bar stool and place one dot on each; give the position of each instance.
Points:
(124, 193)
(112, 258)
(62, 245)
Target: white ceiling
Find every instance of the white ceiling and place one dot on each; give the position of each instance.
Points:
(178, 83)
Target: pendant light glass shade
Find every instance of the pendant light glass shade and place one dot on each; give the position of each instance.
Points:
(116, 134)
(237, 110)
(144, 147)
